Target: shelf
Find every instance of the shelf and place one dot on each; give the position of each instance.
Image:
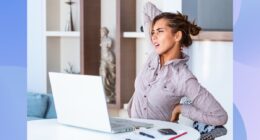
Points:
(62, 34)
(204, 35)
(214, 36)
(133, 35)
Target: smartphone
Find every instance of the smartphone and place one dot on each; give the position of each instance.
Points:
(167, 131)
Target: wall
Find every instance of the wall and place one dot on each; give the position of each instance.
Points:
(210, 14)
(215, 14)
(36, 60)
(108, 16)
(190, 8)
(70, 53)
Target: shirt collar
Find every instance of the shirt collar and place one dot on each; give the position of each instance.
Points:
(173, 62)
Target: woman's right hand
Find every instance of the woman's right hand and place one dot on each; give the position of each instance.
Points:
(176, 113)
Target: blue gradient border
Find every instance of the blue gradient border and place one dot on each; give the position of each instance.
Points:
(246, 69)
(13, 69)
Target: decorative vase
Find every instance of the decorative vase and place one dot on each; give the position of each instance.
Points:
(69, 23)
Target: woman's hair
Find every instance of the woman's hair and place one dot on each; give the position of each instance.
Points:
(179, 22)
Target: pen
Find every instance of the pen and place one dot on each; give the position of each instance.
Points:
(148, 135)
(175, 137)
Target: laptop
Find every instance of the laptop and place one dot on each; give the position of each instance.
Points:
(80, 101)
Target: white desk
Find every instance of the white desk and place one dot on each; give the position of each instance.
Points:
(50, 129)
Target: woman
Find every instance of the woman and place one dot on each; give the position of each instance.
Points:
(165, 77)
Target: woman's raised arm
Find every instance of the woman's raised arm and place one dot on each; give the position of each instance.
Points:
(150, 11)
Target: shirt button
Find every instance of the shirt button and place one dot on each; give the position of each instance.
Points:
(149, 85)
(144, 108)
(156, 74)
(144, 96)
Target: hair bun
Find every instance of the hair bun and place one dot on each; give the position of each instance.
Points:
(194, 29)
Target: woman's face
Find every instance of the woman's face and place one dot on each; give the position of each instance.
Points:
(162, 37)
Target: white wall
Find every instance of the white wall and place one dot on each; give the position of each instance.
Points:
(70, 53)
(108, 16)
(211, 17)
(36, 58)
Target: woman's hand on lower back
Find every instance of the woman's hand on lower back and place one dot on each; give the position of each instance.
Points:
(176, 113)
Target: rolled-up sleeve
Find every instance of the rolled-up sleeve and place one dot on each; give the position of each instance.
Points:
(204, 108)
(150, 11)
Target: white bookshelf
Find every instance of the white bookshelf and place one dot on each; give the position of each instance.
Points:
(62, 47)
(62, 34)
(133, 35)
(59, 47)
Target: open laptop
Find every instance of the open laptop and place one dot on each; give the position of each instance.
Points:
(80, 101)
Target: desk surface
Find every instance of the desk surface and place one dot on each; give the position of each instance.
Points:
(50, 129)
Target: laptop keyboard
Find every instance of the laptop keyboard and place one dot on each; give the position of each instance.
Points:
(116, 122)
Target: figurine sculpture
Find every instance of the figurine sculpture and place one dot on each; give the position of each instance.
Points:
(107, 65)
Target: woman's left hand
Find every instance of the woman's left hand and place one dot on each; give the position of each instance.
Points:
(175, 113)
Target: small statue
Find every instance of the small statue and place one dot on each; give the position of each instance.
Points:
(107, 65)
